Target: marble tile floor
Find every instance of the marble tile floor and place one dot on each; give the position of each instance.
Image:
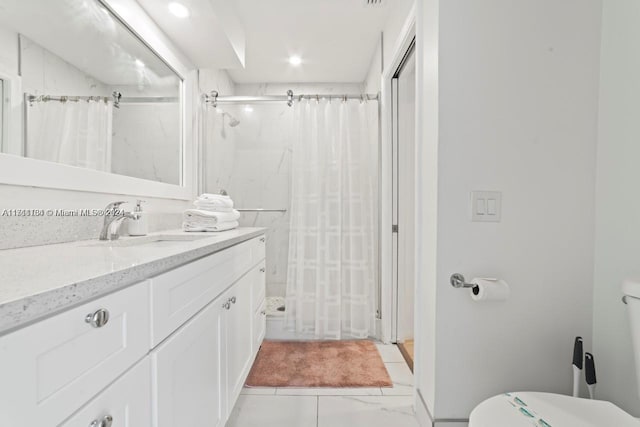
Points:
(332, 407)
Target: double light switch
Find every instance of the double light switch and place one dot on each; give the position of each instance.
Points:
(486, 206)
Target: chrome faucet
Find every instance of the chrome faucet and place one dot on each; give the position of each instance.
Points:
(113, 220)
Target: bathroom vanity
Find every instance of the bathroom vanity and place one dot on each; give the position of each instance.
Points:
(138, 332)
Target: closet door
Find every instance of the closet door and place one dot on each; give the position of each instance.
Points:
(189, 375)
(239, 339)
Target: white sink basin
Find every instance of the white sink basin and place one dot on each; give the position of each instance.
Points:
(157, 241)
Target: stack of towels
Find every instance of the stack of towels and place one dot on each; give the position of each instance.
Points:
(213, 212)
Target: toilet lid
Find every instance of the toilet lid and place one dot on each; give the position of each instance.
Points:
(556, 410)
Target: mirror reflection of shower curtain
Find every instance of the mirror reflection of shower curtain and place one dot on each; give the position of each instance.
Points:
(72, 133)
(332, 274)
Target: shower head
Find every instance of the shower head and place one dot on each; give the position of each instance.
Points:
(233, 122)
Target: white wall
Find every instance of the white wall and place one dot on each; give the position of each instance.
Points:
(427, 168)
(517, 91)
(617, 240)
(9, 54)
(385, 50)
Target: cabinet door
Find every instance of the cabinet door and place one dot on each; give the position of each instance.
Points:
(239, 339)
(127, 402)
(188, 375)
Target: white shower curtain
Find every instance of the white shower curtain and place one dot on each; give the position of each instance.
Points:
(73, 133)
(332, 274)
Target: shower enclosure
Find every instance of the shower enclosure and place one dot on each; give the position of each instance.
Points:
(306, 168)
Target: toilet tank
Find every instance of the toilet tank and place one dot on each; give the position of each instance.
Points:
(631, 291)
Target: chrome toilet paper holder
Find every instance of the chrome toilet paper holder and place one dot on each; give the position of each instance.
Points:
(457, 281)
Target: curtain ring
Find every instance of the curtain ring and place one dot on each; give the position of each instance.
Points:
(214, 98)
(289, 97)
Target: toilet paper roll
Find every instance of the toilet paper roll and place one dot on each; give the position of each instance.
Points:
(487, 289)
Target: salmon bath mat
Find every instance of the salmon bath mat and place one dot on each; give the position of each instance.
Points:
(334, 364)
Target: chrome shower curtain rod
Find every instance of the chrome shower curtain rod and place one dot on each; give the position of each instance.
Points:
(116, 98)
(212, 98)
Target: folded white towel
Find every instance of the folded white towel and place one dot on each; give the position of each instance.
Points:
(215, 199)
(206, 217)
(212, 207)
(221, 226)
(212, 196)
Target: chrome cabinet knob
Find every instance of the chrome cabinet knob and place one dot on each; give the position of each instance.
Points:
(98, 319)
(263, 312)
(262, 270)
(107, 421)
(262, 239)
(226, 305)
(233, 300)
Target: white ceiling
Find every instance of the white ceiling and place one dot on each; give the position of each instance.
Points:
(335, 38)
(211, 36)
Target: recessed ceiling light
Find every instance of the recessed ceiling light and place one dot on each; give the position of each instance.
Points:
(178, 9)
(248, 108)
(295, 60)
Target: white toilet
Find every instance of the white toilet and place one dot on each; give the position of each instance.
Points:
(557, 410)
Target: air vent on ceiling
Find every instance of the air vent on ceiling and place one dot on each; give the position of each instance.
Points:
(373, 3)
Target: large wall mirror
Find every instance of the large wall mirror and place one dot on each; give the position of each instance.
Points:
(92, 94)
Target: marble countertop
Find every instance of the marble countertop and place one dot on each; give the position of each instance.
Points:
(39, 281)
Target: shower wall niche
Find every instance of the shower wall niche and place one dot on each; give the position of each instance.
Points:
(252, 162)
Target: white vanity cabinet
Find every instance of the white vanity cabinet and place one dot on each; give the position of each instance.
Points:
(171, 351)
(200, 369)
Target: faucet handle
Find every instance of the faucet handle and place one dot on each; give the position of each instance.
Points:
(114, 205)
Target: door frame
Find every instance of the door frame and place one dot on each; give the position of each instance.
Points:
(388, 288)
(395, 191)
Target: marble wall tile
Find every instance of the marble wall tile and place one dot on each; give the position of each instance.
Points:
(44, 73)
(252, 163)
(146, 142)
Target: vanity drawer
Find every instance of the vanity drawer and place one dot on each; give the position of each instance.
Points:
(258, 287)
(179, 294)
(127, 402)
(52, 368)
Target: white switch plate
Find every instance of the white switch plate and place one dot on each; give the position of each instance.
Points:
(486, 206)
